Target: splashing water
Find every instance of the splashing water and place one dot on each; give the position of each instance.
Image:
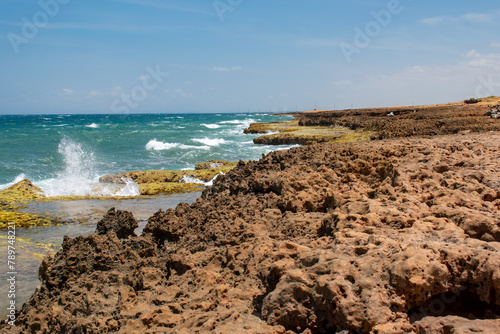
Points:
(18, 178)
(80, 176)
(192, 179)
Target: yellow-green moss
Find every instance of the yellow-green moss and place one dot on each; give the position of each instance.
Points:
(22, 219)
(290, 132)
(168, 188)
(215, 164)
(279, 126)
(15, 196)
(12, 200)
(165, 176)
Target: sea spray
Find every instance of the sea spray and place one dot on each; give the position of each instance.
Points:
(192, 179)
(36, 145)
(17, 179)
(80, 176)
(131, 188)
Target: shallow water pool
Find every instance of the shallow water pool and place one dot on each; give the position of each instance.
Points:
(81, 217)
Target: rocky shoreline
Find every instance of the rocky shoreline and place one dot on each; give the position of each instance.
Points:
(354, 125)
(383, 236)
(150, 183)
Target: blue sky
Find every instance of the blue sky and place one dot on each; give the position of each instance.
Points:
(107, 56)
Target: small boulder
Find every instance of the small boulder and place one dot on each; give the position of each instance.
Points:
(25, 186)
(122, 223)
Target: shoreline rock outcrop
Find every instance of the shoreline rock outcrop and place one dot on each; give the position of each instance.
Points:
(154, 182)
(374, 237)
(122, 223)
(12, 200)
(342, 126)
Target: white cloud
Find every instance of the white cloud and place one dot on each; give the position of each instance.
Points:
(95, 93)
(495, 44)
(435, 20)
(472, 54)
(416, 69)
(225, 69)
(475, 59)
(473, 75)
(116, 91)
(468, 17)
(177, 92)
(68, 92)
(477, 17)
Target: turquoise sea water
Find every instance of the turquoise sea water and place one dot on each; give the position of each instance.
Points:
(66, 154)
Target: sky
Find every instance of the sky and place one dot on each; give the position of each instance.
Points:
(173, 56)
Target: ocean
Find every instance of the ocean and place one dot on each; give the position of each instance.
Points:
(66, 154)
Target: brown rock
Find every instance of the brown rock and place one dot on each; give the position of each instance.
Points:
(376, 237)
(122, 223)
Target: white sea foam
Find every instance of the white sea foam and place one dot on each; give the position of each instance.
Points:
(131, 189)
(236, 121)
(210, 142)
(192, 179)
(93, 126)
(244, 123)
(80, 176)
(211, 126)
(156, 145)
(17, 179)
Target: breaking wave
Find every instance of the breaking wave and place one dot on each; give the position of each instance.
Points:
(210, 142)
(211, 126)
(155, 145)
(80, 176)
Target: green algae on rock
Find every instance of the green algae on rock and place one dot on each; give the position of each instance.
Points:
(155, 188)
(11, 201)
(153, 182)
(292, 132)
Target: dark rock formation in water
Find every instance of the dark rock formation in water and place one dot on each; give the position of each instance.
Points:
(122, 223)
(397, 236)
